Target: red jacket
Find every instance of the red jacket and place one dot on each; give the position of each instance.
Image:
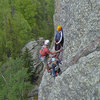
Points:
(44, 50)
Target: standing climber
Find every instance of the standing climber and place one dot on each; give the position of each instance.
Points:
(59, 38)
(44, 53)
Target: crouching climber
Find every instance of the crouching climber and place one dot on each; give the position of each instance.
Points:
(44, 53)
(55, 67)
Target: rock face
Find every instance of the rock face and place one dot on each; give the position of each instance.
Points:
(80, 20)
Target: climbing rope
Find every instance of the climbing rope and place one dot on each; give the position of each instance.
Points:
(76, 59)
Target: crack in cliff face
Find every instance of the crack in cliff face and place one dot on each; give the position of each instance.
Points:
(75, 59)
(85, 54)
(82, 53)
(57, 6)
(91, 5)
(88, 52)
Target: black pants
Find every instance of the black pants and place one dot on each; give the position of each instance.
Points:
(58, 46)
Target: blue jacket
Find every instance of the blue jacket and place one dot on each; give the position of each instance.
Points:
(59, 36)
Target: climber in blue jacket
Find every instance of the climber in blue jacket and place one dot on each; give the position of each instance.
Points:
(59, 38)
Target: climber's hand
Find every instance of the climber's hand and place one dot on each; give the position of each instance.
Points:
(62, 49)
(57, 43)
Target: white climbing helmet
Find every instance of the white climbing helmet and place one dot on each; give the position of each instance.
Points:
(46, 42)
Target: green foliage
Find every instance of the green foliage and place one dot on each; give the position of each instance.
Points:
(45, 19)
(15, 86)
(28, 63)
(21, 21)
(27, 57)
(15, 31)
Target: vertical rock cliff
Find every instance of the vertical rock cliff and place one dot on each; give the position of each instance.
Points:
(80, 20)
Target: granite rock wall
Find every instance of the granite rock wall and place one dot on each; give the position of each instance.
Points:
(80, 20)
